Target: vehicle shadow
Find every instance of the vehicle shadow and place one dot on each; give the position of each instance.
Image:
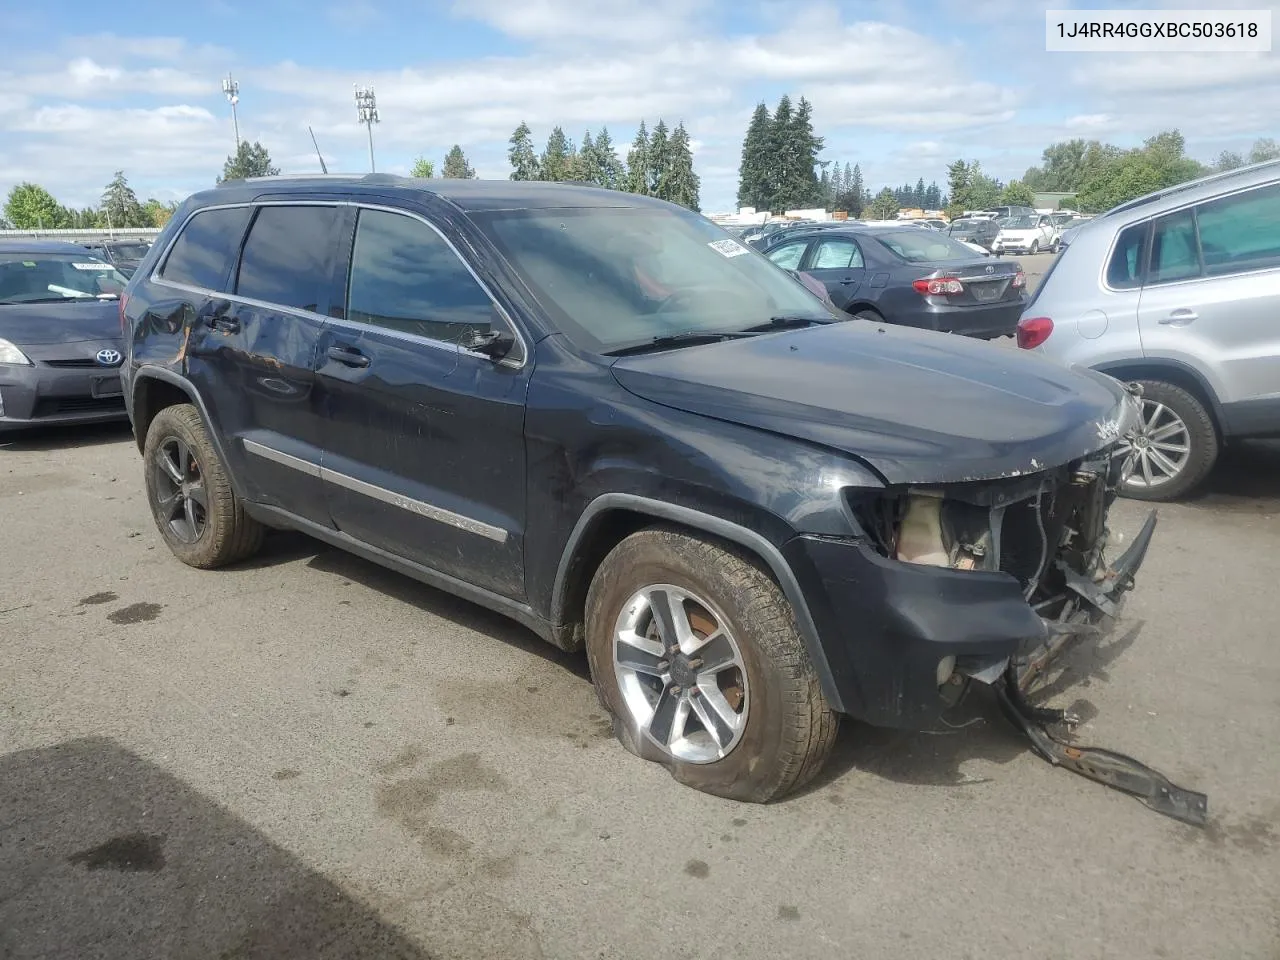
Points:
(107, 855)
(68, 437)
(1247, 474)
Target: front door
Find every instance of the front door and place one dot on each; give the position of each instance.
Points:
(424, 448)
(256, 350)
(838, 263)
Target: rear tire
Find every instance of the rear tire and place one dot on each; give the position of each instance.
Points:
(197, 513)
(1173, 418)
(779, 729)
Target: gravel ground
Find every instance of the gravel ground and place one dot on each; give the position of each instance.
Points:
(309, 757)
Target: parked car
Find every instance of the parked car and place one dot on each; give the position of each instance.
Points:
(936, 222)
(909, 276)
(60, 340)
(124, 255)
(1180, 291)
(595, 413)
(973, 230)
(766, 240)
(1025, 235)
(1011, 211)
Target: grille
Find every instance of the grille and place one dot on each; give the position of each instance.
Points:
(81, 362)
(52, 406)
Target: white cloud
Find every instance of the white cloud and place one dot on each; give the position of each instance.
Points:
(559, 22)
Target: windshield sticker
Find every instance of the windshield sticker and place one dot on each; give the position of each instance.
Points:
(728, 248)
(92, 266)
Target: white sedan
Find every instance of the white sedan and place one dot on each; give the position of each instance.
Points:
(1025, 235)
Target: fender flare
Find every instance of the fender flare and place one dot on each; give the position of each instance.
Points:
(735, 533)
(154, 372)
(1157, 363)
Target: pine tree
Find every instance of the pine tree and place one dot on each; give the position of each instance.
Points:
(920, 192)
(638, 163)
(753, 181)
(781, 158)
(524, 161)
(249, 160)
(933, 197)
(858, 192)
(587, 168)
(681, 183)
(800, 189)
(556, 157)
(609, 170)
(120, 204)
(837, 185)
(659, 159)
(455, 165)
(824, 188)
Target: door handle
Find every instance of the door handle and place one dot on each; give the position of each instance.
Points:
(1181, 316)
(848, 280)
(224, 324)
(348, 355)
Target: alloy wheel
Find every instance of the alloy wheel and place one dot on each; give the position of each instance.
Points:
(1159, 449)
(681, 673)
(182, 500)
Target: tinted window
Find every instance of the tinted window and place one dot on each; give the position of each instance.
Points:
(207, 247)
(1125, 269)
(1173, 249)
(837, 254)
(405, 277)
(787, 255)
(920, 246)
(1241, 232)
(284, 259)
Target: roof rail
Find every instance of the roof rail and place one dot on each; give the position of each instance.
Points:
(288, 176)
(1191, 185)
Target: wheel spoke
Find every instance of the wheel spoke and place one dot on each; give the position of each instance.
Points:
(170, 464)
(1171, 447)
(1167, 466)
(672, 620)
(1156, 413)
(1168, 430)
(170, 506)
(715, 713)
(669, 717)
(184, 459)
(716, 653)
(197, 493)
(1145, 460)
(631, 657)
(189, 511)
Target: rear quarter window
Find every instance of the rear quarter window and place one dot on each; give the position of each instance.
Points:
(206, 248)
(1124, 269)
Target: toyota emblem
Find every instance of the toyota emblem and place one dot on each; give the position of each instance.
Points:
(109, 358)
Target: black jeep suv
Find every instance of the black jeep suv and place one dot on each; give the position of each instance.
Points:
(603, 416)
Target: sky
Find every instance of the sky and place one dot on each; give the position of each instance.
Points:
(900, 87)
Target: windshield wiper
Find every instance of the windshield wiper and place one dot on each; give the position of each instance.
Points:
(87, 296)
(788, 323)
(690, 338)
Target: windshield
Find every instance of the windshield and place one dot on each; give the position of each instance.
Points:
(35, 277)
(616, 277)
(1019, 223)
(917, 246)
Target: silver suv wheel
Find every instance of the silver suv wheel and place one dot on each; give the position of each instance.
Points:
(1159, 450)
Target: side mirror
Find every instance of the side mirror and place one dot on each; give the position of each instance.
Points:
(494, 344)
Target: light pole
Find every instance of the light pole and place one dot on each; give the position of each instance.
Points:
(232, 91)
(367, 110)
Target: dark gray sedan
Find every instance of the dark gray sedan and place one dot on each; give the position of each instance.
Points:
(909, 276)
(60, 340)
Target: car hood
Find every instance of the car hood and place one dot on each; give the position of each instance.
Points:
(65, 322)
(918, 407)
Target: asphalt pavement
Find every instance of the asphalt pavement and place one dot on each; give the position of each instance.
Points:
(310, 757)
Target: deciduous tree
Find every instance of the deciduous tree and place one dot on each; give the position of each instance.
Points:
(31, 207)
(423, 168)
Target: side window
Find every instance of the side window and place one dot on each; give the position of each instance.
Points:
(788, 255)
(1241, 232)
(206, 248)
(405, 277)
(285, 258)
(1124, 272)
(1173, 249)
(837, 254)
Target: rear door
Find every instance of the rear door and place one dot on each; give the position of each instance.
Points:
(253, 354)
(1212, 299)
(424, 441)
(839, 264)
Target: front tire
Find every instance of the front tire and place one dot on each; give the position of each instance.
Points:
(695, 653)
(197, 513)
(1174, 448)
(1035, 247)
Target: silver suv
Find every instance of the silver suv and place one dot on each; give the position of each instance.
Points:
(1180, 291)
